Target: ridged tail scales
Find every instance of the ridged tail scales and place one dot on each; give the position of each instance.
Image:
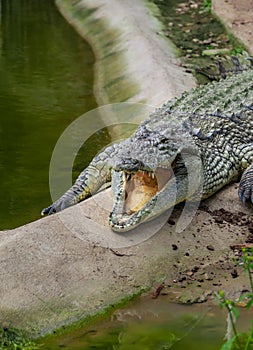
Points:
(88, 182)
(227, 66)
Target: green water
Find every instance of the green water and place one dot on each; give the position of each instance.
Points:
(46, 81)
(150, 324)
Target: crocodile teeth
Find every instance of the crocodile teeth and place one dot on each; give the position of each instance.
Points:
(127, 176)
(151, 174)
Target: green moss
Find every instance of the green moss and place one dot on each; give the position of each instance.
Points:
(91, 319)
(15, 339)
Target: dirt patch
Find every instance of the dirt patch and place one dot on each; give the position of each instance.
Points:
(204, 267)
(198, 34)
(237, 17)
(222, 216)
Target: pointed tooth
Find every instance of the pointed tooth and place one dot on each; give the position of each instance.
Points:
(153, 175)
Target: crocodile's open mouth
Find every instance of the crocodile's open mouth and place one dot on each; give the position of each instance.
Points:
(142, 186)
(135, 196)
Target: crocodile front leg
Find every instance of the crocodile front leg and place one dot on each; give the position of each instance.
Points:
(88, 182)
(246, 185)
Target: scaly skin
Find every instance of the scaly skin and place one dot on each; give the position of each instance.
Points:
(204, 138)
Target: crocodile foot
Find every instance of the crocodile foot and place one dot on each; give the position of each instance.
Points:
(245, 191)
(64, 202)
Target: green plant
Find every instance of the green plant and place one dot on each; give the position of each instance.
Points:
(239, 341)
(14, 339)
(237, 50)
(207, 5)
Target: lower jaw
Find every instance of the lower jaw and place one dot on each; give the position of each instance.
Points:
(123, 222)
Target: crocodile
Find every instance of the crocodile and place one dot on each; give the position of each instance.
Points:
(204, 138)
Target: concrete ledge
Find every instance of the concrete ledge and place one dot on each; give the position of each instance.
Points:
(52, 275)
(134, 62)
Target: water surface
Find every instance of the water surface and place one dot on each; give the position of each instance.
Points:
(46, 81)
(152, 324)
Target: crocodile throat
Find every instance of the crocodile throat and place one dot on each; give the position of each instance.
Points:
(136, 195)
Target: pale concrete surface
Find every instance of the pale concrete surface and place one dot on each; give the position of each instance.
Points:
(52, 275)
(62, 268)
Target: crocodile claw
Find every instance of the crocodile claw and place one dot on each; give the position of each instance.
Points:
(59, 205)
(245, 194)
(49, 210)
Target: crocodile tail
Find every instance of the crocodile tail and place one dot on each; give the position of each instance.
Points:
(227, 66)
